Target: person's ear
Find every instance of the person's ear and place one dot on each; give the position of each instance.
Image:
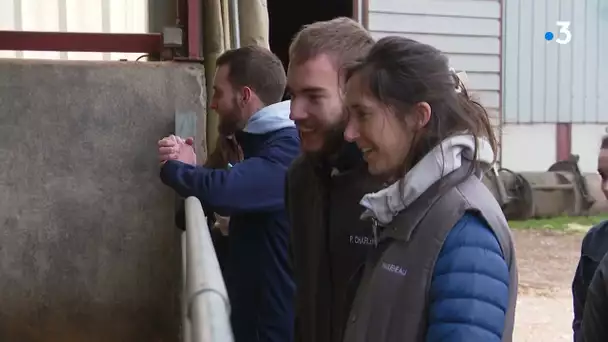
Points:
(246, 94)
(422, 114)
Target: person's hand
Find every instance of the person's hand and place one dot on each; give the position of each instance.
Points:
(176, 148)
(167, 148)
(221, 223)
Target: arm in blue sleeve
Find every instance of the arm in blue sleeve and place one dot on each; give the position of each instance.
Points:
(253, 185)
(469, 292)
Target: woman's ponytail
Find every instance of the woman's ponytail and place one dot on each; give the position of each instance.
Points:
(475, 112)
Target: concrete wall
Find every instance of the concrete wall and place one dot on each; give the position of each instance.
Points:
(88, 248)
(528, 147)
(586, 141)
(532, 147)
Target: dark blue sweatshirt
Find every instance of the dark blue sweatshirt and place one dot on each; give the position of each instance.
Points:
(258, 274)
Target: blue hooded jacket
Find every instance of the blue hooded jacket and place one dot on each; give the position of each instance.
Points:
(258, 272)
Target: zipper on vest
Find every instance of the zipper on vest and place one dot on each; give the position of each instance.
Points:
(375, 225)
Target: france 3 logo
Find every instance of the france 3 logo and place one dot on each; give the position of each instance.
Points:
(564, 36)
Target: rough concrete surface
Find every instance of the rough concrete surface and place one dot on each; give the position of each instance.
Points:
(88, 248)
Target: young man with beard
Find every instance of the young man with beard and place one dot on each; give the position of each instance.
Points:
(325, 184)
(248, 86)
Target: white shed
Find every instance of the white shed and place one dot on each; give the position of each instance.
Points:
(552, 99)
(468, 31)
(555, 95)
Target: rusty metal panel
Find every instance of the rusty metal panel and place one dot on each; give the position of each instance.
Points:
(143, 43)
(547, 82)
(89, 247)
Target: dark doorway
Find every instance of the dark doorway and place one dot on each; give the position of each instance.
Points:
(287, 17)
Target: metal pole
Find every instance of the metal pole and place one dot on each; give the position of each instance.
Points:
(208, 305)
(253, 23)
(234, 24)
(213, 47)
(186, 326)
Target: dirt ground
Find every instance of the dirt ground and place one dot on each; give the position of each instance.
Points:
(547, 261)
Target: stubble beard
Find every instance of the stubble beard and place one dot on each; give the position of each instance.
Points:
(332, 142)
(232, 123)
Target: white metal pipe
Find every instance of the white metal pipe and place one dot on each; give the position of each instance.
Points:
(235, 31)
(208, 305)
(186, 326)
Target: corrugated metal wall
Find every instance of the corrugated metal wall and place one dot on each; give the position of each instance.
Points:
(549, 82)
(468, 31)
(109, 16)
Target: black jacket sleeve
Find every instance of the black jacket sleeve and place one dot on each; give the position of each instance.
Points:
(594, 327)
(579, 292)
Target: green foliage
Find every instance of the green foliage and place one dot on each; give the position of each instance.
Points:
(563, 223)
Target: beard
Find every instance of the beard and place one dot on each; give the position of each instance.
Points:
(230, 121)
(332, 142)
(227, 127)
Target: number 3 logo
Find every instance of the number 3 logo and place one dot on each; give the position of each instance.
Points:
(564, 28)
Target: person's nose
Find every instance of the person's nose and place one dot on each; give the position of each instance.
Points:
(351, 132)
(297, 111)
(213, 104)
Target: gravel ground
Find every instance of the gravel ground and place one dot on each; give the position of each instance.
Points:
(547, 261)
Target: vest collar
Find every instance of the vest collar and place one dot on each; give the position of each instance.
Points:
(442, 160)
(405, 222)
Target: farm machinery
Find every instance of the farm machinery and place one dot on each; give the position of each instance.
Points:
(562, 190)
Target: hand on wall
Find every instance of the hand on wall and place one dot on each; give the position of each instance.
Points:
(176, 148)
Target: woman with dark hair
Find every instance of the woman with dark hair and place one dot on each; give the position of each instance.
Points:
(443, 267)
